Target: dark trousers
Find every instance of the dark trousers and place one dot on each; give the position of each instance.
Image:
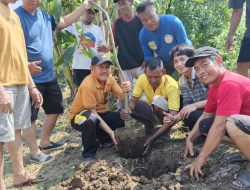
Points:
(143, 112)
(205, 125)
(91, 130)
(193, 117)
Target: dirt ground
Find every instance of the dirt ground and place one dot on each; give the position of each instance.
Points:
(163, 169)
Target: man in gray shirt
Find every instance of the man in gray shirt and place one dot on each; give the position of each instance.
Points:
(243, 62)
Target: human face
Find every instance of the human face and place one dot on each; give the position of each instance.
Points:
(88, 16)
(150, 19)
(101, 72)
(154, 77)
(31, 5)
(208, 71)
(179, 63)
(125, 8)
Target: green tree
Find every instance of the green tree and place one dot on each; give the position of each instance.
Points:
(206, 22)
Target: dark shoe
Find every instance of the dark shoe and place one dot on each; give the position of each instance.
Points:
(53, 146)
(41, 158)
(89, 161)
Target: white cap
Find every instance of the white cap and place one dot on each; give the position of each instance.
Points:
(160, 102)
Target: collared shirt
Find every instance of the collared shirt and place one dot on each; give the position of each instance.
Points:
(168, 88)
(230, 96)
(194, 91)
(91, 95)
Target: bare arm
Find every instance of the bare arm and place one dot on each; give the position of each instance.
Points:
(194, 134)
(188, 109)
(36, 96)
(235, 20)
(214, 138)
(104, 126)
(74, 16)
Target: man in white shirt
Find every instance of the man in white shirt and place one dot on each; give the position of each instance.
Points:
(93, 38)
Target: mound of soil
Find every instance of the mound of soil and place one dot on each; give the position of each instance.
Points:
(163, 169)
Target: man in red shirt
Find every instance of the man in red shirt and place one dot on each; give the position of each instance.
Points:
(227, 111)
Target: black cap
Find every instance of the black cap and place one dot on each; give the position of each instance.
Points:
(92, 9)
(99, 59)
(200, 53)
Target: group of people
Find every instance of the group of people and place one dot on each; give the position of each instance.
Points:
(211, 100)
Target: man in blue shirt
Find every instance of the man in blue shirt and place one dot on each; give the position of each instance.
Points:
(160, 34)
(38, 27)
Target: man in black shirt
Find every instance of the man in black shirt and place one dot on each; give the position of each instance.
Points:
(126, 29)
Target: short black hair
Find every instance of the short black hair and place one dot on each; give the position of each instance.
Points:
(153, 63)
(182, 49)
(142, 7)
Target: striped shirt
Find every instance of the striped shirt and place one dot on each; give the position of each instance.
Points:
(192, 92)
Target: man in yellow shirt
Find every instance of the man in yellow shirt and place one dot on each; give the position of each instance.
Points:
(154, 82)
(16, 87)
(89, 114)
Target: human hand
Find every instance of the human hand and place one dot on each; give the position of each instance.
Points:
(6, 104)
(34, 68)
(126, 86)
(124, 114)
(189, 148)
(112, 136)
(103, 48)
(37, 98)
(147, 146)
(195, 167)
(88, 4)
(186, 110)
(168, 119)
(229, 43)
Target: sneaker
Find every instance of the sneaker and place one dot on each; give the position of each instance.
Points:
(42, 158)
(53, 146)
(89, 161)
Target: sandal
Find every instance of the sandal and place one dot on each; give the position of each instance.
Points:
(53, 146)
(30, 181)
(234, 157)
(41, 158)
(242, 181)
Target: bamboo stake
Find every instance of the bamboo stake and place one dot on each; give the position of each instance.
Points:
(127, 119)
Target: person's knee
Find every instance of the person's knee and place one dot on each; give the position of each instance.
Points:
(204, 126)
(231, 128)
(93, 119)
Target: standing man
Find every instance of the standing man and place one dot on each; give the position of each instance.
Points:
(227, 109)
(93, 38)
(243, 62)
(38, 27)
(16, 87)
(160, 34)
(126, 29)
